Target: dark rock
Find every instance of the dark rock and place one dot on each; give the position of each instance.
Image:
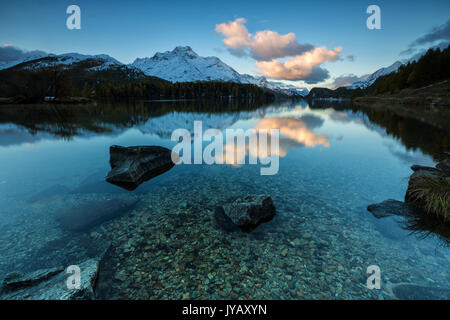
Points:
(223, 221)
(435, 173)
(91, 213)
(414, 221)
(417, 167)
(249, 212)
(410, 291)
(389, 227)
(444, 166)
(16, 280)
(130, 166)
(51, 284)
(417, 217)
(391, 207)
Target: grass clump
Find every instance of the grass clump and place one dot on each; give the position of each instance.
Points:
(433, 196)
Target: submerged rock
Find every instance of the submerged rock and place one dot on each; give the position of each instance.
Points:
(16, 280)
(130, 166)
(410, 291)
(415, 221)
(432, 170)
(223, 221)
(427, 188)
(249, 212)
(51, 284)
(391, 207)
(95, 183)
(92, 213)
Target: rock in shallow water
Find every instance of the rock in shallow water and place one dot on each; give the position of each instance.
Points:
(91, 213)
(223, 221)
(130, 166)
(18, 280)
(50, 284)
(249, 212)
(391, 207)
(410, 291)
(432, 170)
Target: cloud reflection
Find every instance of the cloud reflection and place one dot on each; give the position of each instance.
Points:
(294, 133)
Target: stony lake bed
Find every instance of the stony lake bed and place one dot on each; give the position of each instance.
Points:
(162, 241)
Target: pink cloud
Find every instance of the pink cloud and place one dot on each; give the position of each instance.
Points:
(298, 67)
(266, 46)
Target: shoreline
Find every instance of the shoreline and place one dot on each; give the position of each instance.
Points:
(429, 104)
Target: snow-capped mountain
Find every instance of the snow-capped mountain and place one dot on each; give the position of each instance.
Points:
(288, 89)
(164, 125)
(179, 65)
(9, 64)
(184, 65)
(96, 62)
(369, 80)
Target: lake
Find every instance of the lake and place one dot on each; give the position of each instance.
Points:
(334, 162)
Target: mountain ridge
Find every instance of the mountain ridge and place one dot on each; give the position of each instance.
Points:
(370, 79)
(181, 64)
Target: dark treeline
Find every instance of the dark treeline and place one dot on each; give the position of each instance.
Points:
(83, 80)
(413, 133)
(143, 89)
(432, 67)
(103, 116)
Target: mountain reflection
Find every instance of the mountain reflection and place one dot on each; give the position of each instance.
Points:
(22, 124)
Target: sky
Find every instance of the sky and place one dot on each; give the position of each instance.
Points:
(305, 43)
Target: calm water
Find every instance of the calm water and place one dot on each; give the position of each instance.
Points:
(334, 163)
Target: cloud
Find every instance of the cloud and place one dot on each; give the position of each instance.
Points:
(294, 129)
(347, 80)
(263, 46)
(302, 67)
(237, 38)
(266, 46)
(294, 133)
(269, 45)
(408, 51)
(440, 33)
(9, 53)
(420, 52)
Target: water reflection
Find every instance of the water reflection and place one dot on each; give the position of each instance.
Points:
(296, 130)
(29, 124)
(334, 162)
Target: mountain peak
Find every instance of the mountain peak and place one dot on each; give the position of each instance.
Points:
(180, 51)
(182, 64)
(184, 51)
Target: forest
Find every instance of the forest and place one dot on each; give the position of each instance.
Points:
(432, 67)
(84, 80)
